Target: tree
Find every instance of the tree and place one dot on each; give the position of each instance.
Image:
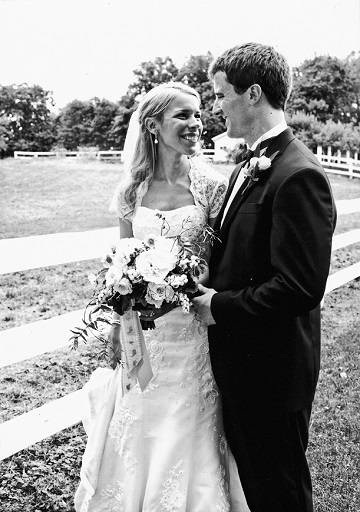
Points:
(338, 136)
(195, 74)
(104, 116)
(121, 121)
(87, 124)
(354, 71)
(323, 87)
(26, 121)
(4, 135)
(149, 74)
(75, 124)
(305, 126)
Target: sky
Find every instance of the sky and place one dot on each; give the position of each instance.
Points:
(79, 49)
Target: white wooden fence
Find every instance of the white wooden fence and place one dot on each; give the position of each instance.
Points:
(21, 343)
(99, 155)
(333, 163)
(339, 164)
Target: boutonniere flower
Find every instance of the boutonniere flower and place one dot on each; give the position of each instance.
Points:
(257, 166)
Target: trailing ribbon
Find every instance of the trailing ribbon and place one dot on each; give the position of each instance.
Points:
(136, 355)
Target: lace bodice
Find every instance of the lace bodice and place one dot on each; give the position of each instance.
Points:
(207, 186)
(189, 220)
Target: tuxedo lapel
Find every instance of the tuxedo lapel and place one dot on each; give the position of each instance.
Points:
(277, 145)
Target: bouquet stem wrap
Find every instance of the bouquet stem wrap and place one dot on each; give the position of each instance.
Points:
(136, 355)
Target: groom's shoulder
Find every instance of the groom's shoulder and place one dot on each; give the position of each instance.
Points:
(297, 156)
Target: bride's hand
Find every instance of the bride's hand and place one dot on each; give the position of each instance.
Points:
(114, 346)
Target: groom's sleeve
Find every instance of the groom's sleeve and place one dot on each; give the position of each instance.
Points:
(300, 252)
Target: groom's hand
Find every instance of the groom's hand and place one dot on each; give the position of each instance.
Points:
(202, 306)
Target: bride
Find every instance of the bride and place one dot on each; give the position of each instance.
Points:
(163, 448)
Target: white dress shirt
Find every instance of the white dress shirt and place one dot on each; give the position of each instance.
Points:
(274, 132)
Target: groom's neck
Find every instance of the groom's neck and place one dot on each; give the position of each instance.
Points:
(266, 119)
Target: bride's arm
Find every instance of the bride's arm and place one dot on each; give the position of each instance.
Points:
(126, 230)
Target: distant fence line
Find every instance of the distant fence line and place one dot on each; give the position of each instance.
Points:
(332, 163)
(99, 155)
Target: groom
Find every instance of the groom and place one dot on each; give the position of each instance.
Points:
(267, 277)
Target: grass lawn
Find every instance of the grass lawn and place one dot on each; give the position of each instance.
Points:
(56, 196)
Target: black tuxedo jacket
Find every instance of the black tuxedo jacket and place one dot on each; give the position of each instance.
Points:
(270, 268)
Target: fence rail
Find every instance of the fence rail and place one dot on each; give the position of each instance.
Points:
(338, 164)
(332, 163)
(31, 340)
(99, 155)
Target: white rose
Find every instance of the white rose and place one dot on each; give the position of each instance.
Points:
(156, 263)
(113, 276)
(123, 286)
(264, 163)
(156, 294)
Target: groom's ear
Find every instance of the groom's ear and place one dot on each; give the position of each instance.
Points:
(255, 93)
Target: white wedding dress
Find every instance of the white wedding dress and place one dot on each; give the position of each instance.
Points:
(163, 449)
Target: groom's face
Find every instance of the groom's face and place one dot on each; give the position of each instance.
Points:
(232, 106)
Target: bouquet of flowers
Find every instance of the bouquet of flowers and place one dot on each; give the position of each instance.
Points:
(144, 274)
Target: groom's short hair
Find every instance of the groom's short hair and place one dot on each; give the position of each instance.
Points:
(253, 63)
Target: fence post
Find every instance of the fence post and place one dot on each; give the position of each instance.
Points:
(351, 168)
(349, 163)
(356, 155)
(319, 153)
(329, 151)
(338, 154)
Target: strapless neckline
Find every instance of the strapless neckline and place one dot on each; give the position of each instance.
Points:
(168, 211)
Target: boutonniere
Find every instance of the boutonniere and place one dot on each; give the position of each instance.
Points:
(257, 167)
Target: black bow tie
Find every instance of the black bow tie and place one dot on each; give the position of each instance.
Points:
(244, 154)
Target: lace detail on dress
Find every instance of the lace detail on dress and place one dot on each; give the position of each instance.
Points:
(113, 498)
(197, 370)
(223, 489)
(172, 497)
(207, 186)
(123, 418)
(155, 349)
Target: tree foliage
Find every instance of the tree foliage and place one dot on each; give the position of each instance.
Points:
(324, 107)
(339, 136)
(26, 122)
(87, 124)
(305, 126)
(149, 74)
(324, 87)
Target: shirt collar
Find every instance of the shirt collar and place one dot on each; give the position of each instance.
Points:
(274, 132)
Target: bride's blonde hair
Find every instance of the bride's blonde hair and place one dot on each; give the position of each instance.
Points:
(153, 105)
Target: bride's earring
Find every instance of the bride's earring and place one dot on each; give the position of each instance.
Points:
(155, 138)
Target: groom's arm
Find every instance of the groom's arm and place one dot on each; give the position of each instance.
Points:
(300, 251)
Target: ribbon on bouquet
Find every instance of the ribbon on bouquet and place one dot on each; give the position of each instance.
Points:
(136, 355)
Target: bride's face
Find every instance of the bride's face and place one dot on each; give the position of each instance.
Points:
(181, 126)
